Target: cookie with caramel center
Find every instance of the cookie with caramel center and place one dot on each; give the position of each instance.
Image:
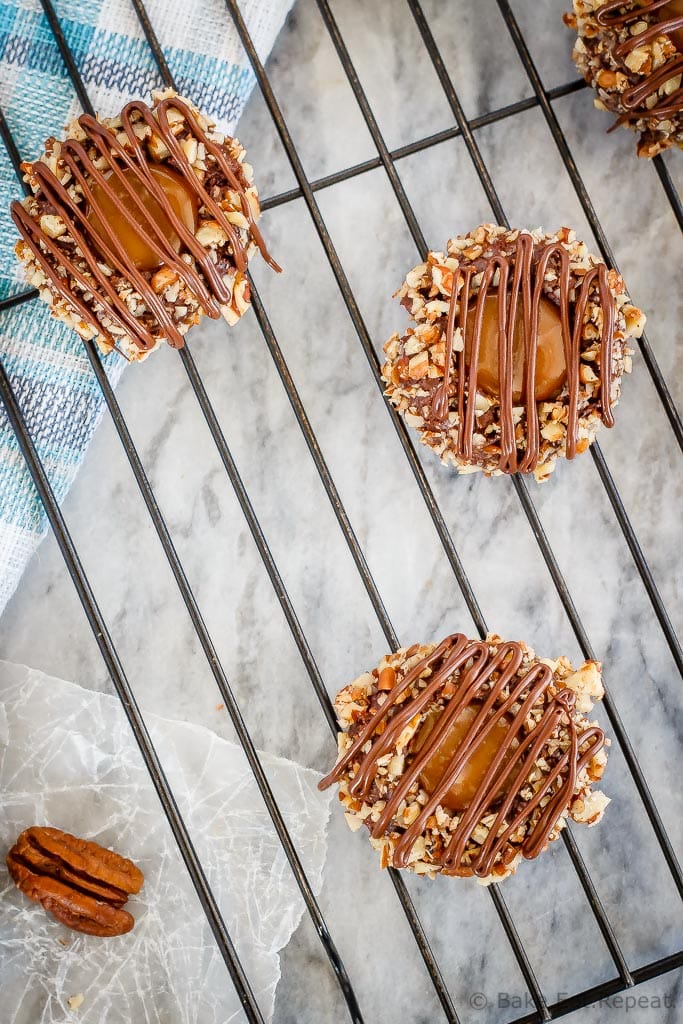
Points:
(467, 756)
(515, 351)
(139, 225)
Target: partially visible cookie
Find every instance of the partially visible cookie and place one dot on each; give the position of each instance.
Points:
(140, 224)
(517, 349)
(632, 55)
(464, 757)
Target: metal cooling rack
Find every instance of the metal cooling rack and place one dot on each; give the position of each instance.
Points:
(624, 978)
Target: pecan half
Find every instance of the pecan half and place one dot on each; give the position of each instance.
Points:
(79, 882)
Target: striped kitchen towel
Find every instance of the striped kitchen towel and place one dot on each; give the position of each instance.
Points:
(46, 362)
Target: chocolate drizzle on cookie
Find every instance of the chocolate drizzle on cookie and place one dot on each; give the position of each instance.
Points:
(518, 282)
(500, 700)
(93, 163)
(613, 16)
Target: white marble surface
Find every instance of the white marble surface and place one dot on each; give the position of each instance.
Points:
(45, 627)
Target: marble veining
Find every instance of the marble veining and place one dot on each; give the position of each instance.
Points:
(45, 627)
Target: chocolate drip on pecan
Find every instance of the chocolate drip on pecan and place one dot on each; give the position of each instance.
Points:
(523, 272)
(202, 276)
(612, 15)
(490, 683)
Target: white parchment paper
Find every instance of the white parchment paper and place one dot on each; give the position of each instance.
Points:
(68, 759)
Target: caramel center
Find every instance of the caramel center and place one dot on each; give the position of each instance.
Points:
(468, 781)
(551, 370)
(674, 9)
(131, 228)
